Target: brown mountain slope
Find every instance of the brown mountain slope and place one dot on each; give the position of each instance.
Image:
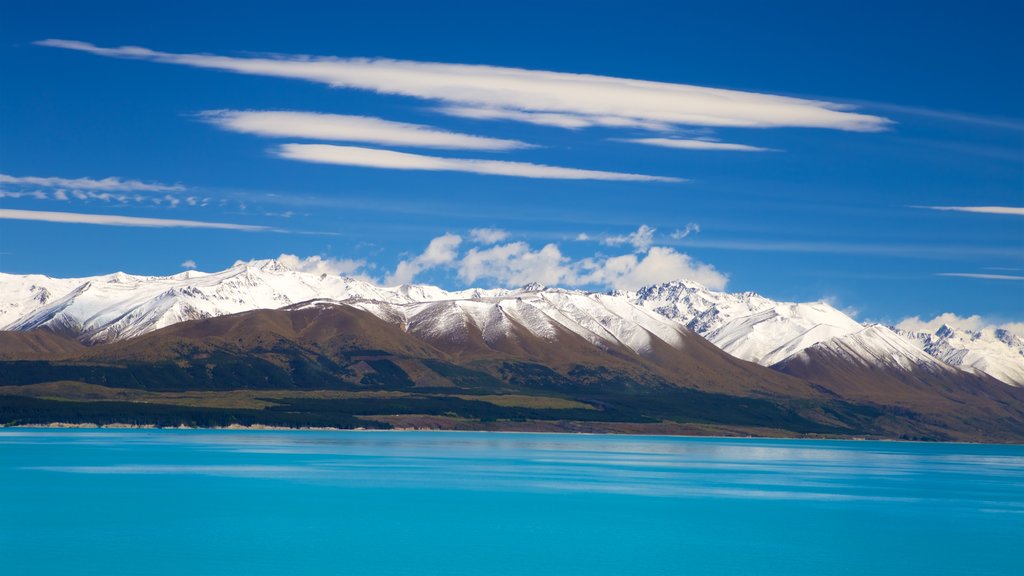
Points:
(35, 344)
(944, 397)
(329, 346)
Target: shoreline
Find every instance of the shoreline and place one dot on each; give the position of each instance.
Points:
(266, 428)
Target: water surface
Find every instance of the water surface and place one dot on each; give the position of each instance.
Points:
(302, 502)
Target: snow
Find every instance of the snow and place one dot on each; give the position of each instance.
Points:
(877, 345)
(747, 325)
(998, 353)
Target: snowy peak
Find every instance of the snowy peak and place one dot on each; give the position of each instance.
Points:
(746, 325)
(119, 306)
(878, 346)
(998, 353)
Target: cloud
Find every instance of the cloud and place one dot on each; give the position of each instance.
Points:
(112, 220)
(582, 237)
(488, 235)
(641, 239)
(973, 323)
(659, 264)
(350, 129)
(981, 276)
(37, 194)
(515, 264)
(691, 228)
(695, 144)
(441, 251)
(190, 264)
(518, 263)
(1006, 210)
(390, 159)
(557, 120)
(321, 265)
(508, 91)
(111, 184)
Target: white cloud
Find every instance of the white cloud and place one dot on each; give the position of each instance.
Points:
(515, 264)
(60, 195)
(284, 124)
(1006, 210)
(973, 323)
(582, 237)
(659, 264)
(390, 159)
(190, 264)
(641, 239)
(691, 228)
(557, 120)
(112, 220)
(981, 276)
(321, 265)
(488, 235)
(510, 90)
(37, 194)
(441, 251)
(695, 144)
(111, 184)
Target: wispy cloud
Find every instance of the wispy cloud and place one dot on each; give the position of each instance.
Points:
(111, 184)
(895, 250)
(695, 144)
(1014, 124)
(488, 235)
(1005, 210)
(115, 220)
(641, 239)
(390, 159)
(691, 228)
(981, 276)
(189, 264)
(288, 124)
(571, 121)
(593, 98)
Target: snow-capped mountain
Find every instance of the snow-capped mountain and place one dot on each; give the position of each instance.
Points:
(998, 353)
(746, 325)
(755, 328)
(603, 320)
(120, 306)
(876, 346)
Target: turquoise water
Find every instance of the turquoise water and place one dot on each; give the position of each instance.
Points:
(246, 502)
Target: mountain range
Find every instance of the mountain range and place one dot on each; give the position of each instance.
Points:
(754, 363)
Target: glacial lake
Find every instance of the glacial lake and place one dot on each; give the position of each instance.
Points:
(134, 502)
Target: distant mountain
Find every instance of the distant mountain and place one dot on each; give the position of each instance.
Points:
(877, 366)
(755, 328)
(998, 353)
(748, 326)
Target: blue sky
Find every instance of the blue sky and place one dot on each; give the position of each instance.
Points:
(810, 178)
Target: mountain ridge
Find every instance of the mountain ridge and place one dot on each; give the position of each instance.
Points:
(112, 307)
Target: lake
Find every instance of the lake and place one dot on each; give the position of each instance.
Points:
(459, 503)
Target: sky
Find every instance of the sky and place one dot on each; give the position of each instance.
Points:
(870, 154)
